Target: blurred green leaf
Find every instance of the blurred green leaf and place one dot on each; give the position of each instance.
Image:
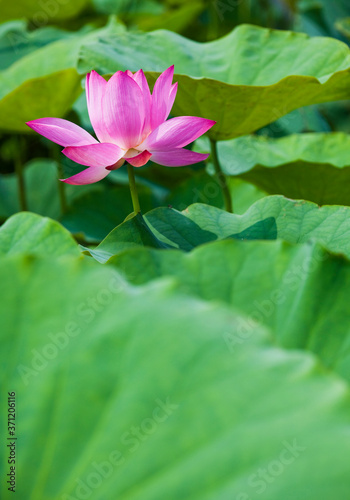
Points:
(28, 233)
(41, 186)
(128, 7)
(308, 119)
(44, 82)
(313, 167)
(41, 12)
(177, 19)
(167, 406)
(261, 279)
(50, 95)
(343, 25)
(325, 14)
(16, 40)
(245, 80)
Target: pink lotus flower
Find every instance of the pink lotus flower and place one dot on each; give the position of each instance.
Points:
(130, 125)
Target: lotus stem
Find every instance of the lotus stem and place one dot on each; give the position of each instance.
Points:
(20, 177)
(133, 190)
(221, 177)
(61, 185)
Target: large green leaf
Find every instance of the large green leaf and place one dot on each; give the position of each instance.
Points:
(50, 95)
(294, 221)
(245, 80)
(31, 234)
(313, 167)
(269, 218)
(165, 409)
(298, 291)
(44, 82)
(16, 40)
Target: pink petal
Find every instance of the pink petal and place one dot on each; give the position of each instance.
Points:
(87, 176)
(176, 133)
(116, 165)
(177, 157)
(123, 110)
(62, 132)
(95, 155)
(160, 97)
(172, 96)
(139, 160)
(95, 89)
(141, 81)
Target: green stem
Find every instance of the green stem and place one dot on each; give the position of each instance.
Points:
(221, 177)
(20, 177)
(60, 185)
(133, 190)
(62, 189)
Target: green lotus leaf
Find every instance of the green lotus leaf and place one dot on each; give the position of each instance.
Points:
(44, 82)
(131, 233)
(16, 40)
(245, 80)
(272, 217)
(296, 222)
(314, 167)
(29, 233)
(298, 291)
(166, 409)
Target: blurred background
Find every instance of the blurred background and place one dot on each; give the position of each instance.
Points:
(38, 40)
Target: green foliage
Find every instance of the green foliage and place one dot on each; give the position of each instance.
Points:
(99, 210)
(16, 40)
(41, 12)
(41, 180)
(132, 233)
(269, 218)
(187, 352)
(45, 81)
(27, 233)
(226, 413)
(244, 81)
(312, 167)
(260, 279)
(294, 221)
